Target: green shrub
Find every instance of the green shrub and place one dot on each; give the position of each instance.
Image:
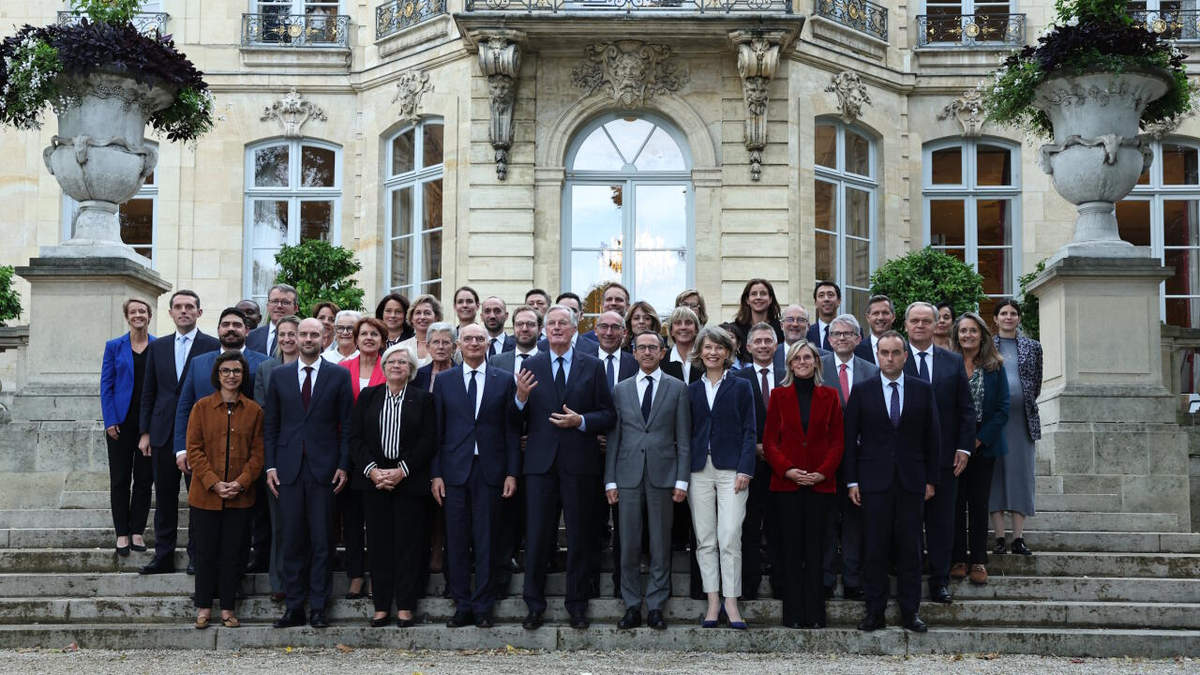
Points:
(1029, 302)
(10, 300)
(321, 271)
(931, 276)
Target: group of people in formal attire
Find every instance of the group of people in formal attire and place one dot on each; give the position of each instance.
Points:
(800, 448)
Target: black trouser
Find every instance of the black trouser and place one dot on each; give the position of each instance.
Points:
(307, 509)
(939, 527)
(760, 520)
(349, 513)
(971, 510)
(129, 508)
(803, 514)
(166, 508)
(259, 531)
(471, 511)
(220, 538)
(510, 530)
(892, 523)
(541, 494)
(396, 525)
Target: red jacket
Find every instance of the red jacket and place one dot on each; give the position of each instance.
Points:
(377, 376)
(788, 446)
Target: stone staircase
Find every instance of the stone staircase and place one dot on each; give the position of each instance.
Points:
(1103, 583)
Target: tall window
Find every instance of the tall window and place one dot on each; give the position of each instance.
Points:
(413, 208)
(972, 209)
(298, 21)
(137, 217)
(293, 194)
(844, 207)
(627, 210)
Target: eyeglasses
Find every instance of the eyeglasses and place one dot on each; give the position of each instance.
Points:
(344, 329)
(472, 338)
(226, 372)
(646, 348)
(793, 319)
(841, 333)
(280, 303)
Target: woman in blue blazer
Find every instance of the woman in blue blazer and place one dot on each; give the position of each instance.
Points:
(121, 377)
(724, 434)
(988, 384)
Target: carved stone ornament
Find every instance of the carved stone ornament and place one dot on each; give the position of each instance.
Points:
(630, 72)
(500, 61)
(292, 112)
(409, 90)
(968, 111)
(851, 94)
(757, 61)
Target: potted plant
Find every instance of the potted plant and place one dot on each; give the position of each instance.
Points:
(1093, 80)
(106, 81)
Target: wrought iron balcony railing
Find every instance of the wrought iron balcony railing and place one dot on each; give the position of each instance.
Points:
(630, 6)
(1183, 25)
(395, 16)
(145, 22)
(971, 30)
(304, 31)
(862, 15)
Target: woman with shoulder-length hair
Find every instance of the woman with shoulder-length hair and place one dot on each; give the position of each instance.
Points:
(758, 304)
(682, 329)
(692, 299)
(365, 367)
(988, 385)
(426, 310)
(392, 310)
(326, 312)
(724, 435)
(802, 441)
(640, 318)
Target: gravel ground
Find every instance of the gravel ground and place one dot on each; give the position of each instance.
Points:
(525, 662)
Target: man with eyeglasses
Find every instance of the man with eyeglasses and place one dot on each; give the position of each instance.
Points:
(281, 302)
(794, 320)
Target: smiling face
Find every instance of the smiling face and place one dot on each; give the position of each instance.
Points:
(289, 339)
(615, 300)
(252, 312)
(795, 323)
(423, 316)
(647, 349)
(472, 342)
(369, 340)
(683, 331)
(397, 369)
(969, 335)
(803, 364)
(641, 321)
(343, 330)
(713, 355)
(184, 311)
(231, 331)
(881, 317)
(230, 374)
(827, 302)
(610, 331)
(525, 329)
(393, 317)
(280, 303)
(759, 298)
(465, 306)
(762, 346)
(137, 315)
(325, 316)
(843, 338)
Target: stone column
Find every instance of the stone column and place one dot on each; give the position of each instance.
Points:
(757, 61)
(500, 62)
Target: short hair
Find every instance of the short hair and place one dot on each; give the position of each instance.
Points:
(760, 326)
(398, 297)
(526, 308)
(1007, 302)
(292, 319)
(563, 308)
(743, 314)
(736, 333)
(371, 321)
(662, 341)
(183, 291)
(879, 297)
(441, 327)
(286, 288)
(645, 308)
(325, 304)
(406, 352)
(611, 285)
(682, 313)
(825, 282)
(537, 291)
(427, 299)
(573, 296)
(353, 314)
(125, 307)
(793, 352)
(940, 305)
(234, 311)
(892, 333)
(468, 289)
(701, 311)
(497, 298)
(225, 357)
(798, 306)
(712, 334)
(988, 357)
(848, 319)
(919, 303)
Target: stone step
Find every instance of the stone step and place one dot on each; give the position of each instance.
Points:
(1079, 502)
(66, 518)
(69, 537)
(1114, 542)
(1103, 522)
(99, 499)
(1048, 485)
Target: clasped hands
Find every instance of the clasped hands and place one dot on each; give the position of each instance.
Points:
(386, 479)
(227, 490)
(804, 478)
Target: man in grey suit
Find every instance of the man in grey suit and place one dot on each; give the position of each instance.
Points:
(843, 370)
(648, 463)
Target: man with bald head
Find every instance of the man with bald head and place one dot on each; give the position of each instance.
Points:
(495, 313)
(794, 319)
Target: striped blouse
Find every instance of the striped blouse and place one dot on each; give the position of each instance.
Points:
(389, 429)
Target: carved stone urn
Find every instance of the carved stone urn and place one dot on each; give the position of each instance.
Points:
(100, 159)
(1097, 153)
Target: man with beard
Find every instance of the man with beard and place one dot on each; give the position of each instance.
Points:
(495, 313)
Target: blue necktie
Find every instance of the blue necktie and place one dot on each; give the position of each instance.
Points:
(894, 413)
(647, 398)
(472, 393)
(922, 369)
(560, 378)
(181, 355)
(609, 370)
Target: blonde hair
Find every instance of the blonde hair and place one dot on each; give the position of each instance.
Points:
(792, 353)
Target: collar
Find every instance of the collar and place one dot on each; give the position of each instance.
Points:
(218, 403)
(886, 381)
(316, 365)
(241, 349)
(481, 369)
(604, 355)
(928, 350)
(708, 383)
(567, 356)
(849, 362)
(191, 335)
(389, 397)
(758, 368)
(533, 351)
(655, 375)
(675, 354)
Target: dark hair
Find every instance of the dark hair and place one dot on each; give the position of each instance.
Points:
(467, 289)
(948, 306)
(611, 285)
(735, 332)
(892, 333)
(879, 297)
(1007, 302)
(125, 307)
(662, 341)
(569, 294)
(825, 282)
(234, 311)
(701, 311)
(647, 308)
(398, 297)
(325, 304)
(537, 291)
(744, 315)
(225, 357)
(184, 291)
(526, 308)
(988, 357)
(374, 323)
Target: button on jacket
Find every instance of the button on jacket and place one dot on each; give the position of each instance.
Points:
(221, 448)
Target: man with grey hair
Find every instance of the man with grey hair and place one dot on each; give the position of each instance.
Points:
(794, 319)
(282, 300)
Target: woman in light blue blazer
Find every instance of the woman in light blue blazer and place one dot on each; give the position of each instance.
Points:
(121, 377)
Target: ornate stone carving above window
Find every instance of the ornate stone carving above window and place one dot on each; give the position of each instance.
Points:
(409, 90)
(500, 62)
(968, 111)
(757, 61)
(851, 94)
(292, 112)
(630, 72)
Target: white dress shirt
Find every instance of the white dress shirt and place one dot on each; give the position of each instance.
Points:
(770, 377)
(928, 351)
(849, 366)
(822, 333)
(518, 361)
(316, 369)
(686, 365)
(616, 357)
(641, 385)
(567, 358)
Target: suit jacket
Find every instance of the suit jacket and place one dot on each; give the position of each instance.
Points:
(506, 360)
(727, 432)
(953, 394)
(863, 371)
(198, 383)
(577, 450)
(257, 338)
(582, 342)
(788, 444)
(460, 429)
(262, 380)
(351, 365)
(655, 450)
(865, 352)
(675, 370)
(990, 430)
(160, 390)
(815, 337)
(876, 453)
(626, 367)
(418, 438)
(320, 433)
(509, 344)
(116, 379)
(750, 373)
(424, 377)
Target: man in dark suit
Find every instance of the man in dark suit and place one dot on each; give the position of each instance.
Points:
(252, 311)
(476, 465)
(495, 313)
(563, 398)
(305, 431)
(578, 341)
(794, 320)
(827, 297)
(282, 300)
(945, 371)
(890, 466)
(880, 317)
(615, 298)
(167, 366)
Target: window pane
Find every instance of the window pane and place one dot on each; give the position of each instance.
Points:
(856, 302)
(596, 220)
(271, 166)
(1179, 165)
(316, 220)
(263, 270)
(270, 224)
(993, 165)
(946, 166)
(137, 222)
(825, 146)
(858, 154)
(1183, 312)
(946, 222)
(858, 213)
(660, 217)
(1133, 221)
(659, 276)
(431, 254)
(661, 154)
(431, 200)
(826, 255)
(1184, 261)
(144, 251)
(431, 146)
(402, 152)
(825, 207)
(597, 153)
(1179, 223)
(592, 268)
(994, 266)
(316, 167)
(402, 211)
(433, 288)
(628, 135)
(993, 218)
(858, 263)
(401, 262)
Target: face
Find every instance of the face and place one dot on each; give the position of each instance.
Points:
(803, 365)
(641, 321)
(137, 316)
(762, 346)
(683, 330)
(280, 303)
(559, 329)
(289, 339)
(472, 341)
(525, 329)
(843, 338)
(393, 317)
(230, 375)
(494, 315)
(325, 316)
(713, 355)
(827, 301)
(571, 304)
(610, 331)
(614, 300)
(396, 370)
(692, 302)
(252, 312)
(795, 323)
(309, 335)
(232, 332)
(343, 330)
(969, 335)
(184, 312)
(648, 352)
(1007, 320)
(369, 340)
(945, 320)
(423, 316)
(759, 298)
(538, 302)
(465, 307)
(441, 346)
(881, 317)
(891, 354)
(919, 324)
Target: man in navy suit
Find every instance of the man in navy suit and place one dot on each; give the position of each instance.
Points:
(305, 431)
(880, 317)
(794, 320)
(572, 302)
(945, 371)
(495, 313)
(282, 300)
(827, 297)
(476, 465)
(614, 298)
(167, 367)
(890, 467)
(565, 402)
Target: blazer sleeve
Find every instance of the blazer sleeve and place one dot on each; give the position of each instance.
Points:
(149, 392)
(261, 377)
(108, 384)
(749, 429)
(345, 403)
(183, 409)
(1035, 353)
(772, 433)
(966, 414)
(356, 434)
(683, 437)
(425, 445)
(439, 428)
(197, 455)
(833, 441)
(995, 417)
(604, 417)
(254, 466)
(851, 417)
(512, 433)
(612, 444)
(271, 415)
(932, 441)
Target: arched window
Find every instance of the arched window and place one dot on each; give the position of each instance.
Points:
(972, 209)
(413, 209)
(138, 217)
(627, 210)
(293, 194)
(844, 190)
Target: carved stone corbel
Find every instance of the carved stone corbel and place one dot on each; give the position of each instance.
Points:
(411, 86)
(500, 61)
(292, 112)
(757, 61)
(851, 94)
(968, 111)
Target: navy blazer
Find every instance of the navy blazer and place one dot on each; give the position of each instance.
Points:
(675, 370)
(750, 373)
(992, 441)
(582, 343)
(116, 379)
(727, 432)
(587, 394)
(198, 383)
(626, 368)
(160, 389)
(953, 394)
(814, 336)
(256, 340)
(418, 438)
(510, 343)
(321, 433)
(864, 351)
(459, 429)
(877, 453)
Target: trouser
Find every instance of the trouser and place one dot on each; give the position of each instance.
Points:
(130, 508)
(939, 527)
(307, 505)
(971, 511)
(395, 536)
(541, 495)
(717, 514)
(844, 534)
(262, 535)
(658, 507)
(220, 539)
(349, 513)
(760, 521)
(472, 510)
(166, 509)
(804, 515)
(510, 530)
(892, 520)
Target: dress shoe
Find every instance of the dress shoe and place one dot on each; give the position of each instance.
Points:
(853, 593)
(484, 621)
(978, 575)
(158, 566)
(705, 623)
(1019, 547)
(915, 624)
(580, 622)
(940, 594)
(290, 618)
(405, 623)
(738, 625)
(380, 622)
(257, 567)
(958, 570)
(655, 620)
(871, 622)
(140, 548)
(460, 619)
(123, 551)
(533, 621)
(317, 619)
(191, 568)
(1000, 548)
(632, 619)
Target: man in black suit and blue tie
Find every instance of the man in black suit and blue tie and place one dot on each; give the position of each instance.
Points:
(495, 313)
(890, 468)
(476, 465)
(827, 297)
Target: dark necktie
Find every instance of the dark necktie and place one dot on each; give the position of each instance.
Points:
(608, 369)
(895, 411)
(473, 392)
(825, 339)
(306, 390)
(521, 362)
(765, 386)
(271, 346)
(492, 346)
(647, 398)
(922, 369)
(560, 378)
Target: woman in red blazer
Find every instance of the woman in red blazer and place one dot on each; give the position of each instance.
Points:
(802, 441)
(365, 369)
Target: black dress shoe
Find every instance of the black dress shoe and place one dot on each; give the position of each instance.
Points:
(1000, 548)
(915, 624)
(580, 622)
(405, 623)
(484, 621)
(533, 621)
(258, 567)
(632, 619)
(460, 619)
(123, 551)
(140, 548)
(158, 566)
(940, 594)
(853, 593)
(1019, 547)
(317, 619)
(655, 620)
(290, 618)
(381, 622)
(871, 622)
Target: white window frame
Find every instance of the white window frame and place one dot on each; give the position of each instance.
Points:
(842, 179)
(147, 191)
(415, 179)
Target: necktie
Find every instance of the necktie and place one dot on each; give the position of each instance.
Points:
(825, 339)
(560, 378)
(765, 386)
(306, 390)
(492, 347)
(181, 353)
(647, 398)
(922, 369)
(522, 361)
(608, 369)
(844, 381)
(473, 392)
(271, 345)
(894, 413)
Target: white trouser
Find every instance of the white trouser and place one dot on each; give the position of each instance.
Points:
(717, 514)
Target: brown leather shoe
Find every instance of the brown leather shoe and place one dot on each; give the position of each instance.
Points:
(958, 571)
(978, 575)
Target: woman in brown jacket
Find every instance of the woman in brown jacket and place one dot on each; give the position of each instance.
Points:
(225, 451)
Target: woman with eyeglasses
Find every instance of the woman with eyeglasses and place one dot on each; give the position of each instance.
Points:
(344, 346)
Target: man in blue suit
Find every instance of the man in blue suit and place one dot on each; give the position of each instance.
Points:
(565, 402)
(880, 317)
(614, 298)
(476, 465)
(827, 297)
(305, 432)
(168, 363)
(890, 467)
(495, 313)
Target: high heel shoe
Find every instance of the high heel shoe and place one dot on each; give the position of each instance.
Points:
(140, 548)
(123, 551)
(360, 593)
(705, 623)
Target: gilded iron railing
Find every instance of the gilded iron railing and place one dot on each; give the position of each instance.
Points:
(395, 16)
(630, 6)
(145, 22)
(1180, 25)
(862, 15)
(971, 30)
(295, 30)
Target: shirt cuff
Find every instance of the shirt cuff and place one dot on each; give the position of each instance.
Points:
(681, 485)
(610, 486)
(965, 452)
(520, 403)
(583, 423)
(850, 485)
(748, 476)
(404, 466)
(370, 467)
(180, 452)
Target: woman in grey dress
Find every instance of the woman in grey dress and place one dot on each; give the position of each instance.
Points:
(1012, 479)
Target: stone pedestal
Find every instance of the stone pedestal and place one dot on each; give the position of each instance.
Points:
(1107, 419)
